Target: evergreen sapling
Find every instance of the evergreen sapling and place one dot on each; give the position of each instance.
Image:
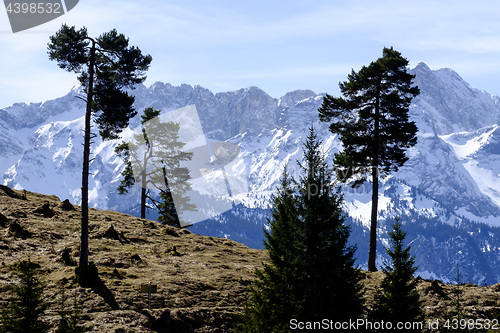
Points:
(398, 301)
(28, 306)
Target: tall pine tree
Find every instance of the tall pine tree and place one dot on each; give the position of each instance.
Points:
(399, 300)
(106, 66)
(310, 275)
(373, 124)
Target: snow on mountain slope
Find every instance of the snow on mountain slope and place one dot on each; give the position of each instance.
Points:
(452, 176)
(270, 132)
(479, 153)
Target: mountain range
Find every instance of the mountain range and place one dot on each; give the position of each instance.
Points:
(447, 195)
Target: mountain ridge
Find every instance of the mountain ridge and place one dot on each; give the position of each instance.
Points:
(437, 183)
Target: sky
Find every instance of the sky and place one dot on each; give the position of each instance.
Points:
(276, 45)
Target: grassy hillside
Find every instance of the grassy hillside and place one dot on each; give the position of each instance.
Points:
(202, 282)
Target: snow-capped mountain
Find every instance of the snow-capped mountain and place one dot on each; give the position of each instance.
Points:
(447, 194)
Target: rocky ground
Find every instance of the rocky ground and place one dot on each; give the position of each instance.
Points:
(202, 282)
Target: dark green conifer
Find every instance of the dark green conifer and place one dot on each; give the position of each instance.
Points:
(398, 301)
(70, 317)
(311, 275)
(330, 284)
(373, 125)
(27, 306)
(273, 303)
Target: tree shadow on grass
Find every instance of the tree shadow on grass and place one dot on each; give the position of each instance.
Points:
(92, 280)
(103, 291)
(165, 321)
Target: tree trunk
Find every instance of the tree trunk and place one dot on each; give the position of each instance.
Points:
(372, 253)
(84, 240)
(143, 194)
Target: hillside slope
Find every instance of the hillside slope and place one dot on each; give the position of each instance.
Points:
(202, 281)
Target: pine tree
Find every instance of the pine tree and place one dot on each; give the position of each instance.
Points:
(272, 302)
(167, 211)
(69, 316)
(330, 284)
(310, 275)
(457, 313)
(373, 124)
(399, 300)
(105, 65)
(156, 160)
(27, 307)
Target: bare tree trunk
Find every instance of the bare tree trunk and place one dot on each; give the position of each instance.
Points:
(143, 194)
(372, 253)
(84, 240)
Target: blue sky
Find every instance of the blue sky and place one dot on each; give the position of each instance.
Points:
(278, 46)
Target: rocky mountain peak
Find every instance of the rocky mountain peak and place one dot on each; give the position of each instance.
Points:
(442, 183)
(450, 103)
(292, 98)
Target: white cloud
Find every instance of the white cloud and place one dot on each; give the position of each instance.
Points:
(276, 44)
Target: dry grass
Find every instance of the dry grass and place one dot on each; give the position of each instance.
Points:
(203, 282)
(477, 302)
